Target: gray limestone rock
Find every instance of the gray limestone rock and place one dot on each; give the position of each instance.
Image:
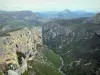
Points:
(11, 72)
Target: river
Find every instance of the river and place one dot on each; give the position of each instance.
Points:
(62, 64)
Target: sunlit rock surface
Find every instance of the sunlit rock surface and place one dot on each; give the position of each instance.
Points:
(17, 48)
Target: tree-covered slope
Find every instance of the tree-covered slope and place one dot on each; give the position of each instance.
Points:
(78, 43)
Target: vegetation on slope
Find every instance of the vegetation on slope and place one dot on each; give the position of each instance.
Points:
(49, 65)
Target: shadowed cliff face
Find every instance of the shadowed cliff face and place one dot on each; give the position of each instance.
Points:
(19, 47)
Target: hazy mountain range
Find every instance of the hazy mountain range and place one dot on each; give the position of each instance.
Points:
(66, 14)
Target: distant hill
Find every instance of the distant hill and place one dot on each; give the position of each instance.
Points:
(19, 18)
(12, 20)
(94, 23)
(17, 15)
(67, 14)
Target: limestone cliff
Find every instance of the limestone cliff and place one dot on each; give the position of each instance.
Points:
(19, 47)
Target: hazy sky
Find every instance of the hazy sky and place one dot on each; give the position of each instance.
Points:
(48, 5)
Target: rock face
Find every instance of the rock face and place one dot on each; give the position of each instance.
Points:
(17, 48)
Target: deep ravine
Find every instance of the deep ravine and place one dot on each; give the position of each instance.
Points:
(62, 64)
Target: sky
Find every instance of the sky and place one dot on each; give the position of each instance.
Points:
(50, 5)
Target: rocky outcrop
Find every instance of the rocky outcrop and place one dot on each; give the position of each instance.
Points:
(17, 48)
(56, 34)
